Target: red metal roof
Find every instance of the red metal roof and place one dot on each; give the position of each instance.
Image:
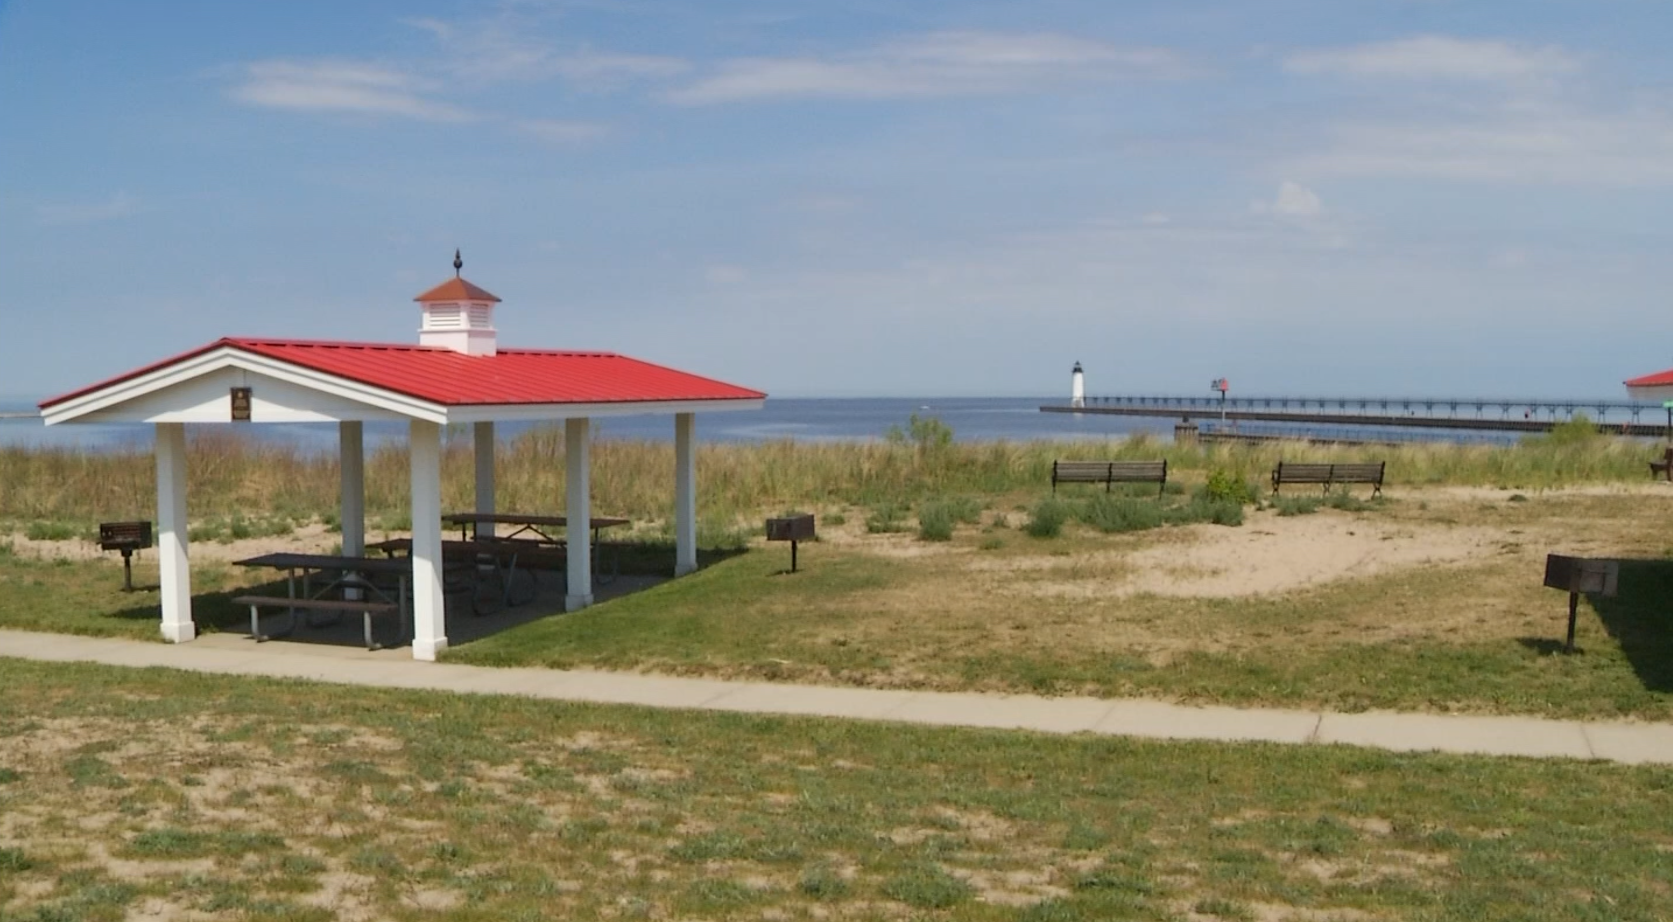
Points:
(1655, 380)
(438, 375)
(456, 289)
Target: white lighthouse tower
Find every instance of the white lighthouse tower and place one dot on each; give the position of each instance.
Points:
(1077, 387)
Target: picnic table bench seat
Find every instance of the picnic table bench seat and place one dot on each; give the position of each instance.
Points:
(1329, 474)
(367, 608)
(1109, 473)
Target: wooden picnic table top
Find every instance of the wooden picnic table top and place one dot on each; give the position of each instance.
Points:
(290, 561)
(519, 518)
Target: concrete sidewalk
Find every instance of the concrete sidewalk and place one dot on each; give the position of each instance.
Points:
(232, 654)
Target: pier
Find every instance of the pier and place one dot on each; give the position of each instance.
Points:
(1480, 414)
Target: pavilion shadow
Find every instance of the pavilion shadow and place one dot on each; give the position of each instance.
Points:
(1640, 618)
(625, 569)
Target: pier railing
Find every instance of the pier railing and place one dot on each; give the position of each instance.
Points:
(1538, 409)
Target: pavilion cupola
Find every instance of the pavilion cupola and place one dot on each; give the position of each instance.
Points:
(458, 315)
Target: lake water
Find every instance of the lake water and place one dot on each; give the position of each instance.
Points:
(805, 420)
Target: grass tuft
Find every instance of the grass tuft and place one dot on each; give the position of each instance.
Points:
(1047, 518)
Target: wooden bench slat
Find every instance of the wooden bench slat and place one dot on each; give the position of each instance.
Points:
(278, 601)
(366, 608)
(1329, 474)
(1109, 472)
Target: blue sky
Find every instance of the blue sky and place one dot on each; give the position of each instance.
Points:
(858, 198)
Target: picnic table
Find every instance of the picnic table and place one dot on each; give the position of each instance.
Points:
(532, 530)
(348, 575)
(470, 525)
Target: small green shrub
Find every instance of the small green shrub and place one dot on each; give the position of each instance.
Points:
(992, 544)
(1047, 517)
(935, 522)
(1346, 502)
(1577, 430)
(1296, 505)
(1114, 514)
(1215, 511)
(1226, 486)
(836, 518)
(885, 518)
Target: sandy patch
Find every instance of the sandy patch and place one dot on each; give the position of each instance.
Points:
(1269, 554)
(1273, 554)
(305, 539)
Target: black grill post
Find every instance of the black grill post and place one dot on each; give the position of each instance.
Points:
(1580, 575)
(126, 537)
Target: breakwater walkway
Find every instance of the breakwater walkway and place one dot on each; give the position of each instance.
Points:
(233, 654)
(1479, 414)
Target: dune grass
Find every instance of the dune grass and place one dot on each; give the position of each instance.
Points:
(153, 793)
(231, 476)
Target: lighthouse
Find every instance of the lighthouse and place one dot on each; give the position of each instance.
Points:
(1077, 387)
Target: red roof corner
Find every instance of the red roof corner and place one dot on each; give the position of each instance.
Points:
(1658, 379)
(456, 289)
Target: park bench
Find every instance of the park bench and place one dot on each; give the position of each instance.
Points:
(1664, 467)
(1109, 473)
(1329, 474)
(366, 607)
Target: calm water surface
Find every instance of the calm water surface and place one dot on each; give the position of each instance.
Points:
(805, 420)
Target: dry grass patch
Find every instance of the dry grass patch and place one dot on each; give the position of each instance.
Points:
(397, 804)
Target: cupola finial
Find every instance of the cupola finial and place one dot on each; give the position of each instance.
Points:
(458, 263)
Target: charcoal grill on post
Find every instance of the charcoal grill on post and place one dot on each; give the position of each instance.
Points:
(791, 528)
(126, 537)
(1577, 575)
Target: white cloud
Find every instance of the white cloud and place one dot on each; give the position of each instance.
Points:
(558, 131)
(341, 86)
(119, 205)
(1294, 200)
(721, 274)
(1519, 143)
(593, 66)
(938, 64)
(506, 48)
(1436, 57)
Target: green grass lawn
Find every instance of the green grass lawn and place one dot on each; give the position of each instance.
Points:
(837, 622)
(126, 793)
(995, 609)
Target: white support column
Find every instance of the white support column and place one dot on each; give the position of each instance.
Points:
(351, 463)
(483, 441)
(578, 509)
(685, 494)
(176, 583)
(429, 620)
